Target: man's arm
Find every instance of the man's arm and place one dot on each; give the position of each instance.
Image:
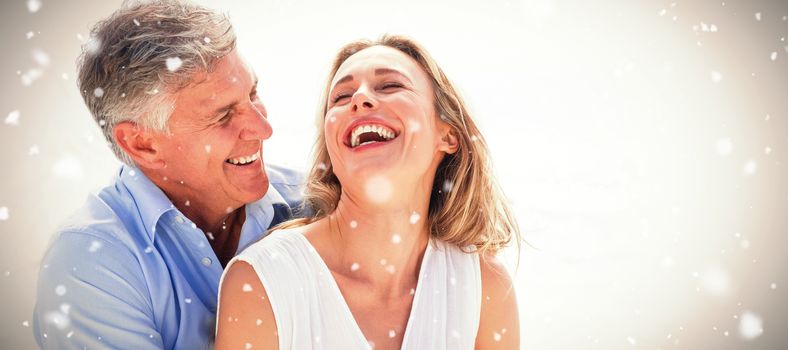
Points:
(92, 294)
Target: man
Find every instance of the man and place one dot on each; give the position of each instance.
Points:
(138, 267)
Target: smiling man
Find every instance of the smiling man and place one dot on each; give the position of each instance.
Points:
(138, 266)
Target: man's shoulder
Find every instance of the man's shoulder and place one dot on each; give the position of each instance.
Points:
(289, 184)
(104, 218)
(279, 175)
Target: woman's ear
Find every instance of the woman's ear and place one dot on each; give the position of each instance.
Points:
(448, 142)
(139, 144)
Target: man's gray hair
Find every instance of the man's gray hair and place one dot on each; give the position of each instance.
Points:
(144, 53)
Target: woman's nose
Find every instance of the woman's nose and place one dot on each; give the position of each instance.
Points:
(362, 101)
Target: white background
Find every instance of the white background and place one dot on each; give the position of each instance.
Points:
(643, 145)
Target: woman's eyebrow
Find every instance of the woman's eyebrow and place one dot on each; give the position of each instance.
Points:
(346, 78)
(382, 71)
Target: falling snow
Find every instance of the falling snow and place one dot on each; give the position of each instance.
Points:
(40, 57)
(173, 63)
(724, 146)
(716, 281)
(750, 325)
(353, 224)
(60, 290)
(247, 288)
(354, 267)
(396, 239)
(379, 189)
(67, 167)
(3, 213)
(33, 5)
(13, 118)
(98, 92)
(94, 246)
(414, 218)
(750, 167)
(716, 76)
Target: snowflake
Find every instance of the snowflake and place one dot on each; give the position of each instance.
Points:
(750, 167)
(724, 146)
(94, 246)
(60, 290)
(13, 118)
(716, 76)
(414, 218)
(173, 63)
(247, 288)
(3, 213)
(33, 5)
(750, 325)
(379, 189)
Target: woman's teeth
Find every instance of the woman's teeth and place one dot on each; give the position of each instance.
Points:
(383, 134)
(244, 160)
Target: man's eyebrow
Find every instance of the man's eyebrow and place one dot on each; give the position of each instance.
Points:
(220, 110)
(382, 71)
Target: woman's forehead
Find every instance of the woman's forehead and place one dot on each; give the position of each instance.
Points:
(376, 57)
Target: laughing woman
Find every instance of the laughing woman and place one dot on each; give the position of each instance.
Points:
(408, 218)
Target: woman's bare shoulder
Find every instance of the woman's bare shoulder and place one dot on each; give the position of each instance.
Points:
(245, 314)
(499, 326)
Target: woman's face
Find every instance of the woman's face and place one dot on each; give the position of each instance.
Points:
(380, 127)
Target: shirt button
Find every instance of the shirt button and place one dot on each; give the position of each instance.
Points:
(206, 261)
(179, 219)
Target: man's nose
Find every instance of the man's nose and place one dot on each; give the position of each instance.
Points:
(256, 125)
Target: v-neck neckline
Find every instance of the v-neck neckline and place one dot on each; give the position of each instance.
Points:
(346, 308)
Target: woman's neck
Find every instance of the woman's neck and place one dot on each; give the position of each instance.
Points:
(382, 247)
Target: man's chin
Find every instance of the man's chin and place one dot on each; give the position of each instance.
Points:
(252, 191)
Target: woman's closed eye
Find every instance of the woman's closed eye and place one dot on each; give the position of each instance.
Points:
(385, 87)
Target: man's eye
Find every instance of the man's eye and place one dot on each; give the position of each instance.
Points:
(225, 118)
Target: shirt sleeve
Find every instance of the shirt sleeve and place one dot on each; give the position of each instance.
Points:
(92, 294)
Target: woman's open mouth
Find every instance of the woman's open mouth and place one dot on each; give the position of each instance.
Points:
(369, 133)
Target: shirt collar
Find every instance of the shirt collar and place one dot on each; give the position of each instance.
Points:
(259, 215)
(150, 200)
(152, 204)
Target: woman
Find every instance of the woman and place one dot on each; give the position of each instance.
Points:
(401, 250)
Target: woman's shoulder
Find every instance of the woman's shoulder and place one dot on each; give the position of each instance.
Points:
(499, 310)
(273, 245)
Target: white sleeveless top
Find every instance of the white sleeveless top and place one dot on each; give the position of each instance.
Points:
(311, 312)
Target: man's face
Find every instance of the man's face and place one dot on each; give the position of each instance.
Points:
(213, 152)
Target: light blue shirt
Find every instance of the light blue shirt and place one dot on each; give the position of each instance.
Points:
(129, 271)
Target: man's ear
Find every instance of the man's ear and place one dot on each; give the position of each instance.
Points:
(139, 144)
(448, 142)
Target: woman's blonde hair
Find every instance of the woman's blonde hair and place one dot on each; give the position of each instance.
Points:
(467, 207)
